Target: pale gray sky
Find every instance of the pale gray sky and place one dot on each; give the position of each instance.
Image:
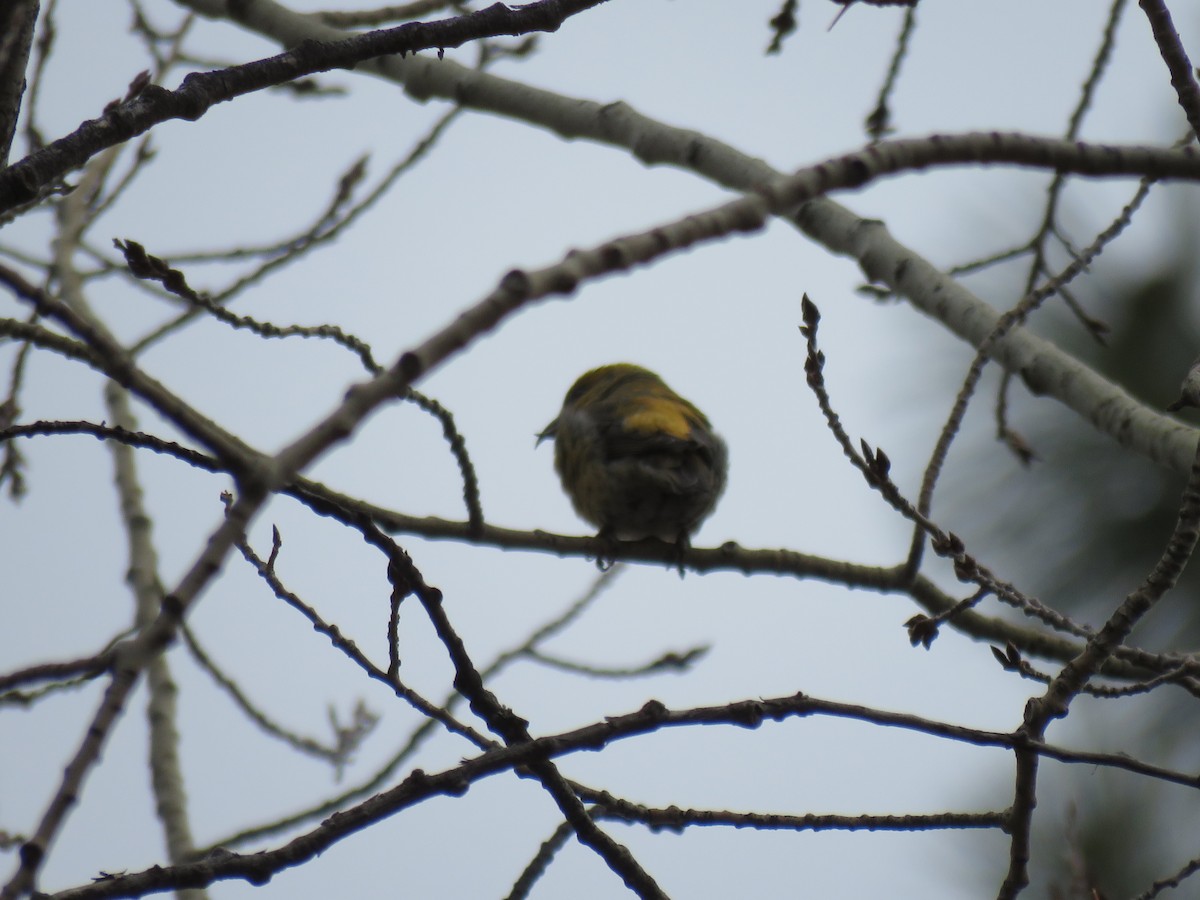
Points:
(719, 324)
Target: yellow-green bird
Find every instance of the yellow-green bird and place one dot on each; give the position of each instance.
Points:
(636, 459)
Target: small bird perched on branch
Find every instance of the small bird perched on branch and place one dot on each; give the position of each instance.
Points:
(636, 459)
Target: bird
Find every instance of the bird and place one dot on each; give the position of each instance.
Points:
(636, 459)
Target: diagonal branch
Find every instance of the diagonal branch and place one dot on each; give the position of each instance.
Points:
(200, 91)
(1046, 369)
(1183, 78)
(420, 786)
(17, 21)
